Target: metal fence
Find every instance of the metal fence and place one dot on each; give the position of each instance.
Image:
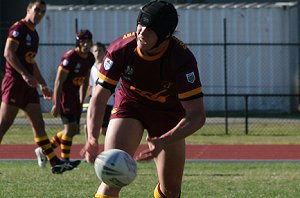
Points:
(260, 100)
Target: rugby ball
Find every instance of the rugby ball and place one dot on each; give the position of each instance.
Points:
(115, 167)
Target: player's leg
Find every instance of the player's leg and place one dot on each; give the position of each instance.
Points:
(106, 119)
(124, 134)
(70, 130)
(170, 166)
(7, 116)
(56, 139)
(34, 115)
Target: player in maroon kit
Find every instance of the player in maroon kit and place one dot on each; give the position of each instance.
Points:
(21, 78)
(160, 92)
(70, 87)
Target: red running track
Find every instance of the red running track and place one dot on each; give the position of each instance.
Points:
(193, 152)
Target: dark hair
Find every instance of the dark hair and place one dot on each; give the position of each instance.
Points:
(32, 2)
(100, 45)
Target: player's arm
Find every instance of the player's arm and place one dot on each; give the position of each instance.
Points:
(96, 112)
(11, 56)
(193, 120)
(95, 116)
(61, 76)
(84, 88)
(43, 85)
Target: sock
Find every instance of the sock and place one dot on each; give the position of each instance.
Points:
(104, 196)
(66, 144)
(45, 144)
(157, 192)
(56, 140)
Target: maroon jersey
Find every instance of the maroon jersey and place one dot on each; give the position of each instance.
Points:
(77, 65)
(15, 90)
(27, 38)
(159, 81)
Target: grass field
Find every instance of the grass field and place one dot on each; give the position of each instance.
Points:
(203, 179)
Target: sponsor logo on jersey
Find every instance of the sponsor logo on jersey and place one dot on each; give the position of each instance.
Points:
(15, 34)
(108, 63)
(190, 77)
(128, 35)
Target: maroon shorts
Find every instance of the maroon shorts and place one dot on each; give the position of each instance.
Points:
(17, 93)
(70, 104)
(157, 122)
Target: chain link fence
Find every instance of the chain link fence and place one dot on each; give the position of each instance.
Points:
(249, 89)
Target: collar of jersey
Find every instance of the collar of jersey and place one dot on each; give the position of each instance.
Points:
(29, 25)
(154, 57)
(82, 55)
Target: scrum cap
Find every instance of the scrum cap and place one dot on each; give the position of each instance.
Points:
(159, 16)
(83, 34)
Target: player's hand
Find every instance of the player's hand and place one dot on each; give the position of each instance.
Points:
(30, 80)
(55, 111)
(90, 152)
(155, 145)
(47, 94)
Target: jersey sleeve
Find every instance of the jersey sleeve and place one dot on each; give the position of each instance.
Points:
(66, 63)
(188, 82)
(109, 73)
(16, 33)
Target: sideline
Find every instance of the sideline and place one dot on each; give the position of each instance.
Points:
(205, 153)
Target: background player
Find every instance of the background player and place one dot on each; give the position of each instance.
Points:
(98, 50)
(21, 79)
(70, 90)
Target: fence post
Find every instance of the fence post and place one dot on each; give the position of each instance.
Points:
(225, 77)
(246, 113)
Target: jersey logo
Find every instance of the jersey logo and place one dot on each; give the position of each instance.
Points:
(15, 34)
(190, 77)
(29, 57)
(108, 63)
(78, 81)
(128, 73)
(77, 68)
(28, 40)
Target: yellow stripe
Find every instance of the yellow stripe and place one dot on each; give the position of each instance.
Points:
(42, 138)
(108, 80)
(154, 57)
(50, 156)
(63, 69)
(65, 137)
(190, 93)
(156, 193)
(65, 155)
(13, 40)
(104, 196)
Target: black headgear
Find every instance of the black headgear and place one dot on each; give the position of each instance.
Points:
(83, 34)
(159, 16)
